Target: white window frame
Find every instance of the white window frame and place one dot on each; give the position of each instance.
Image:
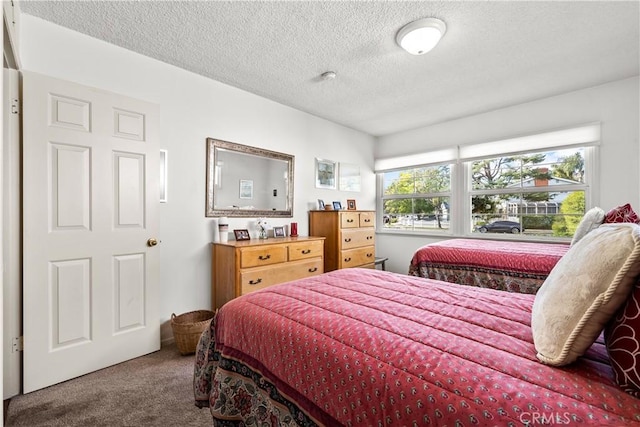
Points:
(590, 156)
(453, 168)
(460, 157)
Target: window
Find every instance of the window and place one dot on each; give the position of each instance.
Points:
(417, 198)
(539, 194)
(493, 187)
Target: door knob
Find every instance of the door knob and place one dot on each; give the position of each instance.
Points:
(152, 242)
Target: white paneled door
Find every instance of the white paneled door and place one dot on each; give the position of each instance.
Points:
(91, 194)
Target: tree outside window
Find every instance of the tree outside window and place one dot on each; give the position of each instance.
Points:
(417, 198)
(539, 191)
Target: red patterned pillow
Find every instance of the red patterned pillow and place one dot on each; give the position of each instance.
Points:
(622, 337)
(622, 213)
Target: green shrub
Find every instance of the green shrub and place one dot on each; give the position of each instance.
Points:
(537, 222)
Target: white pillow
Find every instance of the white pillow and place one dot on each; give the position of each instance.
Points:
(583, 291)
(590, 221)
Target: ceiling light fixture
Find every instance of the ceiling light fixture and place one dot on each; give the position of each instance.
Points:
(419, 37)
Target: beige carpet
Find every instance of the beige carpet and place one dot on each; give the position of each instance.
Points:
(153, 390)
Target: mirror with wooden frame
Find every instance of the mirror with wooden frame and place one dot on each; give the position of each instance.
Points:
(245, 181)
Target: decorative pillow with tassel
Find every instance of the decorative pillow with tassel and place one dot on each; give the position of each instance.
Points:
(583, 291)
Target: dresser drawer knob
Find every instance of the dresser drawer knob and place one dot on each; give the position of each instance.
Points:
(306, 251)
(369, 255)
(369, 237)
(255, 282)
(367, 220)
(347, 240)
(264, 258)
(313, 270)
(349, 220)
(347, 259)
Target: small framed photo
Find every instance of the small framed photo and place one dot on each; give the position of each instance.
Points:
(321, 204)
(242, 234)
(351, 204)
(337, 206)
(278, 232)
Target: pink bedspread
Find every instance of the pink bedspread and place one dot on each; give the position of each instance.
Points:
(504, 265)
(367, 347)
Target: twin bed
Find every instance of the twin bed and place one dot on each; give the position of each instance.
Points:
(503, 265)
(367, 347)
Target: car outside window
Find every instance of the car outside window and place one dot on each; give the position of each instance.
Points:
(539, 194)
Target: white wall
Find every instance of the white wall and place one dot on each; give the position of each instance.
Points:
(615, 105)
(192, 109)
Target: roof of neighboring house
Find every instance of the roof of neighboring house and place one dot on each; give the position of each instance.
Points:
(553, 180)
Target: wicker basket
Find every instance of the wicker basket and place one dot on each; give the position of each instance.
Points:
(188, 327)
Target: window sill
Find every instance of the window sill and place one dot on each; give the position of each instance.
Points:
(478, 236)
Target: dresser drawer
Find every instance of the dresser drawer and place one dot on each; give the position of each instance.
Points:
(304, 250)
(349, 220)
(357, 257)
(258, 278)
(263, 255)
(299, 269)
(367, 219)
(357, 238)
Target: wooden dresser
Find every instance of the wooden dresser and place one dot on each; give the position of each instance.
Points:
(350, 237)
(240, 267)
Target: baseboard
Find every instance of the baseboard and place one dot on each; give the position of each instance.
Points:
(167, 341)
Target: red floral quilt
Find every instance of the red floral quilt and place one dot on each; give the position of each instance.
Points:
(504, 265)
(368, 347)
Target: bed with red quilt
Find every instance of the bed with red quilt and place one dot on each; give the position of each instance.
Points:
(367, 347)
(503, 265)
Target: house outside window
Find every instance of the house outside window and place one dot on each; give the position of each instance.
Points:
(539, 194)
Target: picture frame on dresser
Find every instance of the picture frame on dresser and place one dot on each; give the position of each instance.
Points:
(351, 204)
(242, 234)
(337, 206)
(278, 232)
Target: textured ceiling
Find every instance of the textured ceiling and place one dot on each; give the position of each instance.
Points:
(494, 54)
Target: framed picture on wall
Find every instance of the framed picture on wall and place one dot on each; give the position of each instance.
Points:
(349, 177)
(326, 174)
